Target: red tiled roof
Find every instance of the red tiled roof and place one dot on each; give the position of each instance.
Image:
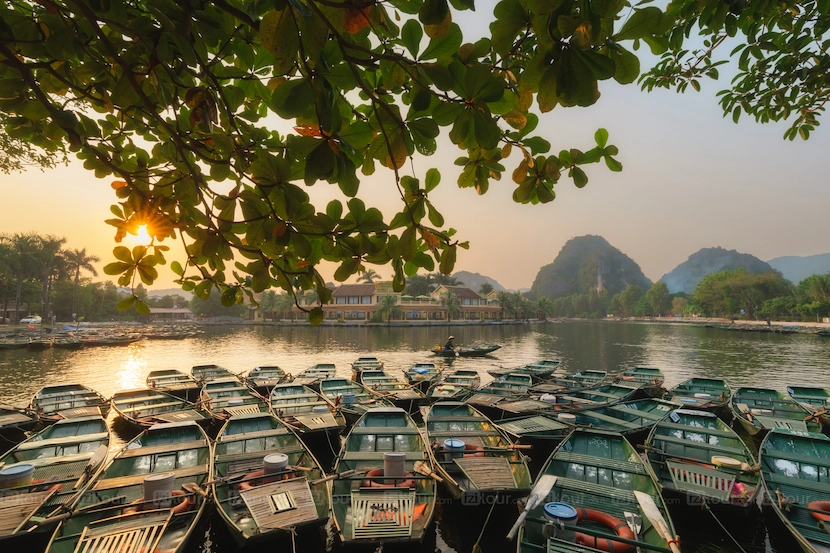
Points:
(462, 291)
(354, 290)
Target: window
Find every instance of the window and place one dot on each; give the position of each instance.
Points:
(466, 301)
(475, 301)
(366, 299)
(353, 299)
(340, 300)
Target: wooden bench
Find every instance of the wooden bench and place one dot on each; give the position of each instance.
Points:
(135, 479)
(161, 448)
(713, 447)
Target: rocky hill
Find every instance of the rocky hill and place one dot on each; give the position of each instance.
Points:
(588, 262)
(686, 276)
(473, 281)
(795, 269)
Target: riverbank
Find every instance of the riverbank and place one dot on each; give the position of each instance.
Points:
(783, 327)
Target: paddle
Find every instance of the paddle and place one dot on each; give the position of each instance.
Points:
(96, 459)
(816, 414)
(193, 487)
(654, 516)
(422, 468)
(539, 492)
(117, 500)
(344, 474)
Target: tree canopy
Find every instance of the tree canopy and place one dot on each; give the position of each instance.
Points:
(209, 116)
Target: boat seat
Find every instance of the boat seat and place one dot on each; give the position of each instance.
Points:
(695, 429)
(162, 448)
(805, 459)
(384, 430)
(382, 514)
(778, 422)
(15, 510)
(152, 406)
(732, 451)
(68, 440)
(252, 435)
(487, 473)
(611, 420)
(593, 461)
(136, 479)
(433, 418)
(142, 399)
(700, 480)
(822, 487)
(258, 454)
(651, 415)
(378, 455)
(135, 534)
(532, 425)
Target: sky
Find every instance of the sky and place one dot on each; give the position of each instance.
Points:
(691, 179)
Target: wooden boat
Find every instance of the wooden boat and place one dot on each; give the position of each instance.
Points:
(312, 376)
(703, 394)
(456, 385)
(761, 409)
(207, 373)
(350, 398)
(144, 408)
(15, 423)
(632, 419)
(503, 389)
(263, 378)
(66, 341)
(535, 428)
(464, 352)
(600, 475)
(114, 339)
(698, 457)
(365, 362)
(795, 468)
(65, 457)
(388, 387)
(589, 378)
(14, 342)
(570, 402)
(650, 378)
(226, 397)
(113, 515)
(373, 509)
(568, 383)
(472, 454)
(65, 401)
(305, 411)
(255, 509)
(814, 399)
(175, 383)
(540, 370)
(40, 343)
(422, 375)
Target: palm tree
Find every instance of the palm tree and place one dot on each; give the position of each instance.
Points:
(504, 299)
(368, 276)
(267, 302)
(284, 302)
(543, 307)
(387, 306)
(23, 260)
(78, 260)
(50, 262)
(446, 280)
(418, 285)
(452, 303)
(521, 305)
(485, 289)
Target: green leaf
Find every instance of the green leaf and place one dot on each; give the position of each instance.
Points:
(547, 97)
(601, 66)
(432, 179)
(228, 298)
(601, 137)
(279, 35)
(319, 164)
(316, 316)
(126, 303)
(123, 254)
(411, 35)
(176, 267)
(433, 12)
(627, 64)
(447, 260)
(141, 307)
(613, 164)
(481, 85)
(445, 45)
(579, 176)
(642, 23)
(487, 131)
(346, 269)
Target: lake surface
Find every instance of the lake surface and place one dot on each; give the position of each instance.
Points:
(680, 350)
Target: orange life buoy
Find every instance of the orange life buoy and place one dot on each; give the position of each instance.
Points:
(369, 483)
(820, 505)
(53, 487)
(605, 544)
(182, 507)
(247, 484)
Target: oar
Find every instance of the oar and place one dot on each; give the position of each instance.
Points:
(816, 414)
(117, 500)
(422, 468)
(539, 492)
(344, 474)
(654, 516)
(193, 487)
(96, 459)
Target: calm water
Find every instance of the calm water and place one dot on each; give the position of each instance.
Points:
(682, 351)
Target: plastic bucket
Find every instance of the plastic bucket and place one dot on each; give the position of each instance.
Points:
(567, 418)
(275, 462)
(701, 395)
(394, 464)
(561, 513)
(158, 488)
(548, 398)
(420, 371)
(347, 398)
(16, 475)
(319, 409)
(454, 448)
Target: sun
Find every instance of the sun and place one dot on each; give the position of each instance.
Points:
(141, 236)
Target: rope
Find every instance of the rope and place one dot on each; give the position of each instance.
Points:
(476, 547)
(706, 505)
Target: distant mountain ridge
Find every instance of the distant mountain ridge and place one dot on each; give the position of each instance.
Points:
(473, 281)
(686, 276)
(587, 262)
(795, 268)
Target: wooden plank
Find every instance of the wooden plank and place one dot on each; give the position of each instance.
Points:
(602, 462)
(281, 505)
(135, 479)
(252, 435)
(382, 514)
(161, 448)
(487, 473)
(15, 510)
(68, 440)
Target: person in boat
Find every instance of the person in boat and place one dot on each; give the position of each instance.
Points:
(449, 346)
